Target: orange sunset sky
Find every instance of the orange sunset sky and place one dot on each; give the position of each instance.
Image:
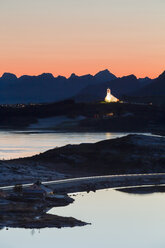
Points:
(65, 36)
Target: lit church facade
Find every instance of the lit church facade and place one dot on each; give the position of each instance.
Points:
(110, 98)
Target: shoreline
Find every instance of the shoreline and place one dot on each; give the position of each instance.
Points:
(131, 154)
(94, 183)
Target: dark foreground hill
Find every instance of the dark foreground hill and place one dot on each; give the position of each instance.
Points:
(129, 154)
(121, 117)
(126, 155)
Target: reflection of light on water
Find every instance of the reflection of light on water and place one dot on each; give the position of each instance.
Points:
(108, 135)
(15, 145)
(118, 220)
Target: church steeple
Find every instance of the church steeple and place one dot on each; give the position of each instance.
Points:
(109, 97)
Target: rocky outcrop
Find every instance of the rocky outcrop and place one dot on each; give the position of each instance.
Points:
(126, 155)
(46, 220)
(129, 154)
(19, 211)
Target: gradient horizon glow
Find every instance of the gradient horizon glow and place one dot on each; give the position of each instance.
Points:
(65, 36)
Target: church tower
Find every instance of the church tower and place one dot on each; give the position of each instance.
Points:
(109, 97)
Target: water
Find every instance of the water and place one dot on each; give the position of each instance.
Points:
(21, 144)
(118, 220)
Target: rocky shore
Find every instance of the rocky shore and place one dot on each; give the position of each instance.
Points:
(125, 155)
(37, 221)
(125, 159)
(129, 154)
(28, 208)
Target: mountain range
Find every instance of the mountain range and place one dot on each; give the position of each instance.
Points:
(155, 88)
(124, 86)
(47, 88)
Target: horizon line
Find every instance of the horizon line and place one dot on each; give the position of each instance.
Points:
(67, 77)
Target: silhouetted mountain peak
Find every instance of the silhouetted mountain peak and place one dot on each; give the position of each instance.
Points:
(156, 87)
(144, 79)
(27, 77)
(47, 76)
(162, 76)
(130, 77)
(104, 75)
(87, 76)
(103, 72)
(72, 76)
(8, 76)
(61, 77)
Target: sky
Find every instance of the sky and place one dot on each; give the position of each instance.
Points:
(82, 36)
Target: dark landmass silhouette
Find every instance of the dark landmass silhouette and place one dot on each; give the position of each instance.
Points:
(155, 88)
(145, 81)
(46, 88)
(118, 86)
(128, 154)
(144, 89)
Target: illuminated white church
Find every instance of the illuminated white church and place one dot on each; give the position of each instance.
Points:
(110, 98)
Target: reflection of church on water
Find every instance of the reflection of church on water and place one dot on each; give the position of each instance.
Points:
(110, 98)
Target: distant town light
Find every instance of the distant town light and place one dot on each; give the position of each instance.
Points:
(109, 97)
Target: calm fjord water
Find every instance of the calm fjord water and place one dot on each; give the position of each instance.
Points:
(118, 220)
(21, 144)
